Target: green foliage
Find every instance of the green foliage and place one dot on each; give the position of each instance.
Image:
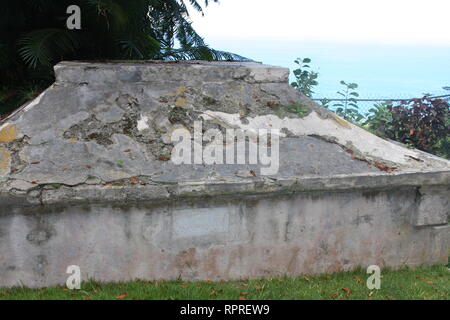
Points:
(120, 163)
(41, 47)
(442, 147)
(305, 79)
(34, 36)
(298, 109)
(325, 102)
(348, 108)
(12, 97)
(379, 119)
(423, 123)
(420, 123)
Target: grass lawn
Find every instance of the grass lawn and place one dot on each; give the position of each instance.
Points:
(420, 283)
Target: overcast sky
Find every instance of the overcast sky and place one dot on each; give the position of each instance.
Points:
(417, 22)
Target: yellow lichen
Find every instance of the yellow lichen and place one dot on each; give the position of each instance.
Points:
(181, 91)
(342, 122)
(8, 133)
(180, 102)
(5, 157)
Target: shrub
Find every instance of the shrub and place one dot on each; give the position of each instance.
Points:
(348, 108)
(305, 79)
(379, 119)
(422, 123)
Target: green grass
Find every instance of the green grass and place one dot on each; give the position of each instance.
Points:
(420, 283)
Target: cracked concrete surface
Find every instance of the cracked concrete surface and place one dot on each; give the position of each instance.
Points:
(100, 136)
(82, 125)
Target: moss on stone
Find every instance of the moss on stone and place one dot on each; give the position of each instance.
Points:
(298, 108)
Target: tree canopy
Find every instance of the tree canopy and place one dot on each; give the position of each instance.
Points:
(34, 36)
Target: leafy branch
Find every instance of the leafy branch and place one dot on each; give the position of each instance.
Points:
(305, 79)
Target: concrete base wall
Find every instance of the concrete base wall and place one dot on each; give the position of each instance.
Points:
(284, 234)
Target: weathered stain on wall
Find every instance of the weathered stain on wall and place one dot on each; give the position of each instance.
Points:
(220, 238)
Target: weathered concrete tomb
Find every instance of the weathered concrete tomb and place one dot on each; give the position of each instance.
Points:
(87, 179)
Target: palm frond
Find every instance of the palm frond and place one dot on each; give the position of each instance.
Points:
(197, 6)
(138, 46)
(201, 53)
(116, 16)
(45, 45)
(5, 55)
(33, 35)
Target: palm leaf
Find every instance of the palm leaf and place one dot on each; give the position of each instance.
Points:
(5, 55)
(201, 53)
(41, 47)
(138, 46)
(112, 11)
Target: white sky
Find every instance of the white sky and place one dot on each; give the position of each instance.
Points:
(422, 22)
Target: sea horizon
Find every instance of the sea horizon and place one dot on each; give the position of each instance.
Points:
(382, 71)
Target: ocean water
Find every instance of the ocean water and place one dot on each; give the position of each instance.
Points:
(381, 71)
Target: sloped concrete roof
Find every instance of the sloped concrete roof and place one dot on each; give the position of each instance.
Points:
(102, 131)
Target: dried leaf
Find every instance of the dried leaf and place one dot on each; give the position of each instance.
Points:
(122, 295)
(347, 290)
